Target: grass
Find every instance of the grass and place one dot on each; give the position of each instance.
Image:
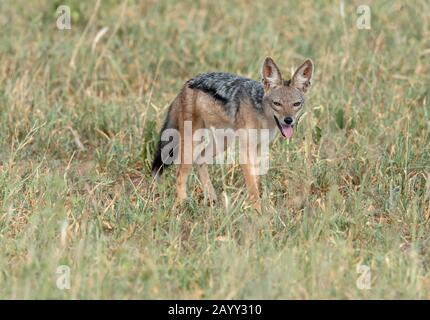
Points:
(79, 120)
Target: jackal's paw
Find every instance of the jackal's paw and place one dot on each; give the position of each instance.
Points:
(180, 199)
(257, 206)
(213, 198)
(210, 197)
(207, 198)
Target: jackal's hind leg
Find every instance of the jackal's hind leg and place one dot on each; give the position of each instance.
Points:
(208, 189)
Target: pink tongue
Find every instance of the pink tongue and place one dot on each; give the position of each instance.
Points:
(287, 132)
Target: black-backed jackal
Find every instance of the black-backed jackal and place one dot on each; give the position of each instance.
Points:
(226, 101)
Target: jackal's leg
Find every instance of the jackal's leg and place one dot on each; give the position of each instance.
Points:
(208, 188)
(251, 176)
(181, 181)
(205, 157)
(251, 181)
(184, 169)
(185, 118)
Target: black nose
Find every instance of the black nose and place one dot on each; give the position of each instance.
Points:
(288, 120)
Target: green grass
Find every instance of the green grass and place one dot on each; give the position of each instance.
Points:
(79, 121)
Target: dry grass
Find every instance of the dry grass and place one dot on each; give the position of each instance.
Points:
(79, 119)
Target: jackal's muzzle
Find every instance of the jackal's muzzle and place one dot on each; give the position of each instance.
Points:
(285, 128)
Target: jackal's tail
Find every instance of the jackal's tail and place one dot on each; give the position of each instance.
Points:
(158, 164)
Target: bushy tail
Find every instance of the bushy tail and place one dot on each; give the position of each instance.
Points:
(170, 123)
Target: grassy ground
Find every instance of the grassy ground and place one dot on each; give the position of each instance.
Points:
(79, 119)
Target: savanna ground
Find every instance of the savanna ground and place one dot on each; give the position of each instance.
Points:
(79, 120)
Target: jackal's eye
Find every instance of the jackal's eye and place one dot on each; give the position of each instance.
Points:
(277, 103)
(297, 104)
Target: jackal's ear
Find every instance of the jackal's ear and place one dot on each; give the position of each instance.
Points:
(271, 75)
(303, 76)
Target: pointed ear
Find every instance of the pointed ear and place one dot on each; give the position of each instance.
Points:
(271, 75)
(303, 76)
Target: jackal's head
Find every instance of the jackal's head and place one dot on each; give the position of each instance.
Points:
(284, 100)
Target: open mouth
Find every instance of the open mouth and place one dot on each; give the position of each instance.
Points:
(286, 130)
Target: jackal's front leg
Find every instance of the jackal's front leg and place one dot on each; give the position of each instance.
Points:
(208, 189)
(251, 180)
(181, 181)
